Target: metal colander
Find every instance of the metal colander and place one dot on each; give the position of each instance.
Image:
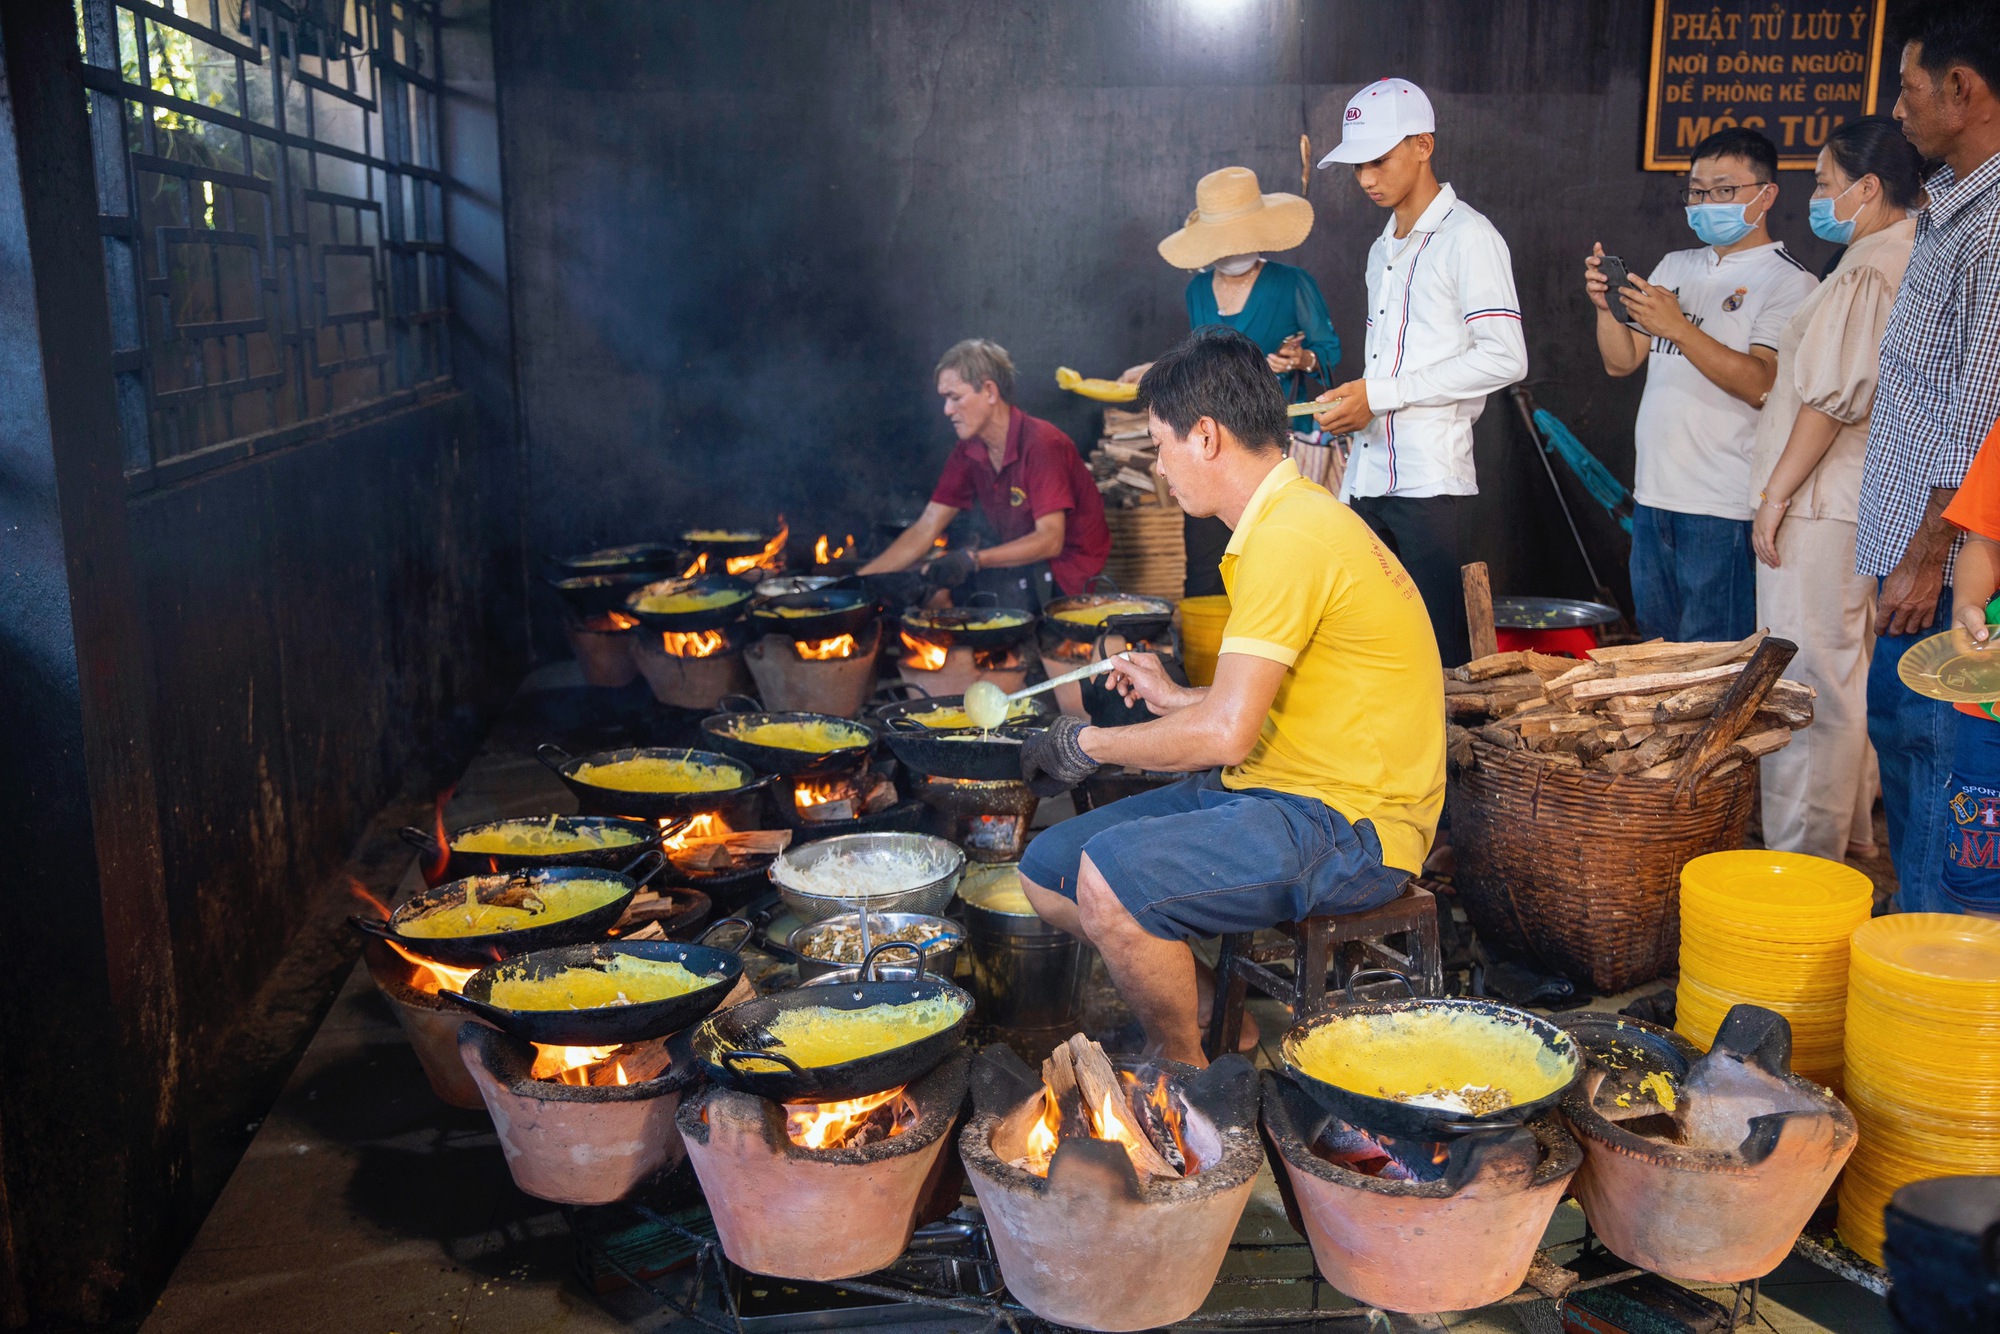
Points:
(942, 863)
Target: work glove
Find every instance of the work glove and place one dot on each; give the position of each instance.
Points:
(898, 589)
(1054, 761)
(951, 569)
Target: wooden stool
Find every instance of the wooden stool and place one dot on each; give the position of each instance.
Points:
(1344, 943)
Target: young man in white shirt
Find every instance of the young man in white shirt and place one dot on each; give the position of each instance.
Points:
(1444, 331)
(1709, 320)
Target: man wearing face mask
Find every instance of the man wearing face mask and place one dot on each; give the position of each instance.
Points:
(1709, 321)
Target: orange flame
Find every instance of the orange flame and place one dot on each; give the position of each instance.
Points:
(693, 643)
(431, 976)
(806, 795)
(772, 557)
(569, 1065)
(700, 566)
(706, 825)
(820, 650)
(619, 1070)
(823, 554)
(621, 621)
(1106, 1121)
(939, 544)
(1162, 1102)
(1042, 1137)
(924, 654)
(434, 872)
(831, 1125)
(359, 892)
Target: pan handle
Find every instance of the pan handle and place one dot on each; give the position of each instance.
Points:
(868, 963)
(377, 927)
(554, 756)
(1475, 1127)
(901, 723)
(896, 692)
(730, 1059)
(659, 863)
(973, 599)
(1360, 973)
(419, 840)
(744, 922)
(490, 1013)
(738, 704)
(667, 830)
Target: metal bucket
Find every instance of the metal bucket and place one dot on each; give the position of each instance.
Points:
(1025, 973)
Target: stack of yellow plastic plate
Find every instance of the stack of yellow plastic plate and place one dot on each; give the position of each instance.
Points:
(1770, 929)
(1923, 1060)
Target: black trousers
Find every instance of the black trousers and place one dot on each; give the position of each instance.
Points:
(1205, 540)
(1427, 534)
(1023, 587)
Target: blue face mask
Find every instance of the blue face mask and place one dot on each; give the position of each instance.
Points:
(1719, 224)
(1819, 216)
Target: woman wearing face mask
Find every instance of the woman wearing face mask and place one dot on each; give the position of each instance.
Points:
(1806, 466)
(1278, 307)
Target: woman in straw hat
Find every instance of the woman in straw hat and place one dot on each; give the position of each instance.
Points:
(1278, 307)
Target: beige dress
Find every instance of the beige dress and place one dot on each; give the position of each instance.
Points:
(1819, 790)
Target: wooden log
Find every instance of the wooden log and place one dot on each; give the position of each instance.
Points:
(1650, 684)
(1763, 743)
(1697, 702)
(1059, 1079)
(1548, 666)
(1479, 609)
(1560, 686)
(1565, 723)
(1518, 681)
(1097, 1080)
(1740, 651)
(1506, 738)
(1734, 711)
(1484, 669)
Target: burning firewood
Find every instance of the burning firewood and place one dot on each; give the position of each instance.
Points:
(1084, 1097)
(1630, 709)
(727, 850)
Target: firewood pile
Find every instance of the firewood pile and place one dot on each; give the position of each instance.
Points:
(1122, 463)
(1631, 709)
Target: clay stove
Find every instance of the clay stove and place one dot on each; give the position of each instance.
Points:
(1713, 1182)
(1088, 1245)
(602, 646)
(411, 984)
(692, 669)
(1417, 1227)
(833, 676)
(581, 1125)
(989, 819)
(940, 669)
(787, 1209)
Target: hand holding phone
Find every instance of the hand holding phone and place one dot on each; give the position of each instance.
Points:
(1616, 275)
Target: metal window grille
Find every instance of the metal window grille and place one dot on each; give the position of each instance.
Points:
(271, 203)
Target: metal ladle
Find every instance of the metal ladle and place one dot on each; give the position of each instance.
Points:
(986, 705)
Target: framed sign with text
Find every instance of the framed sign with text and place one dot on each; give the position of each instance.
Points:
(1791, 70)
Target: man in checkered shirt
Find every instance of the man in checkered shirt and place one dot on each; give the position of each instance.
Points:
(1939, 395)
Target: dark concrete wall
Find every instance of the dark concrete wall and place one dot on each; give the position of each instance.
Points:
(319, 619)
(743, 233)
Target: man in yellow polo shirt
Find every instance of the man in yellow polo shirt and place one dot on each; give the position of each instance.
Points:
(1317, 756)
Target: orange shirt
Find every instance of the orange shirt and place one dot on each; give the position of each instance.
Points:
(1976, 509)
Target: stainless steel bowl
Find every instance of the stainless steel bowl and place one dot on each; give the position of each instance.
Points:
(946, 859)
(939, 960)
(840, 977)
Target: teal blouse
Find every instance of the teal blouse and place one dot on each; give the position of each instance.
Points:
(1283, 301)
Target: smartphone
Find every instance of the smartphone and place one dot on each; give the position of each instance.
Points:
(1616, 275)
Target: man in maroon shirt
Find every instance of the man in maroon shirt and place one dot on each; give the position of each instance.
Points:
(1025, 476)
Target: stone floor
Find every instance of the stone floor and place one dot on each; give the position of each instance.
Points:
(362, 1203)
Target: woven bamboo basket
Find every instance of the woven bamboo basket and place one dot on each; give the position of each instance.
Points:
(1579, 869)
(1148, 556)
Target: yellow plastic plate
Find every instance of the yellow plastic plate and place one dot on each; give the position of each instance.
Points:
(1949, 666)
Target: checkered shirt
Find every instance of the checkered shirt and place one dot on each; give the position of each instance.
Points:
(1939, 392)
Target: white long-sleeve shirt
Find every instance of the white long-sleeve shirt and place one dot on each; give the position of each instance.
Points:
(1444, 331)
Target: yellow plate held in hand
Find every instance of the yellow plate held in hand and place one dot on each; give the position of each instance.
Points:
(1104, 391)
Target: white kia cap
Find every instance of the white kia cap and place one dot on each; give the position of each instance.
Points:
(1378, 118)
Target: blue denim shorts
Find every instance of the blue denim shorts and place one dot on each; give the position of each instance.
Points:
(1971, 875)
(1196, 859)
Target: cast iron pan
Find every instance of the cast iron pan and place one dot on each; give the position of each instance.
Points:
(948, 626)
(736, 805)
(1133, 625)
(509, 890)
(1401, 1119)
(989, 756)
(459, 864)
(655, 558)
(726, 547)
(1041, 708)
(599, 592)
(835, 611)
(725, 732)
(708, 618)
(609, 1025)
(729, 1044)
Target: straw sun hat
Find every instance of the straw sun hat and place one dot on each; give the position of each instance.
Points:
(1232, 216)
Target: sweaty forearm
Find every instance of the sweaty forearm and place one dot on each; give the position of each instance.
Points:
(1187, 740)
(1021, 551)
